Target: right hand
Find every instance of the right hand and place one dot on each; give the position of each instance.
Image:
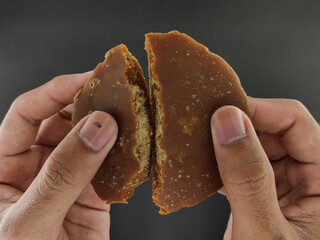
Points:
(270, 167)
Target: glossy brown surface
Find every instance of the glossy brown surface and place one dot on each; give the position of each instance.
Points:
(192, 83)
(109, 89)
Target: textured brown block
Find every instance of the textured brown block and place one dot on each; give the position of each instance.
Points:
(117, 86)
(188, 83)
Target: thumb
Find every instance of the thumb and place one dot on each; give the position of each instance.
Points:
(68, 170)
(246, 174)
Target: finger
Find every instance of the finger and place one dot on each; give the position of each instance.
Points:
(80, 216)
(304, 209)
(20, 126)
(87, 207)
(89, 198)
(228, 233)
(304, 214)
(272, 145)
(8, 196)
(281, 176)
(245, 172)
(290, 120)
(69, 169)
(55, 128)
(222, 191)
(19, 173)
(304, 180)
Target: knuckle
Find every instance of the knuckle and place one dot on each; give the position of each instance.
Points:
(19, 101)
(57, 173)
(20, 106)
(43, 190)
(56, 78)
(56, 81)
(251, 179)
(296, 104)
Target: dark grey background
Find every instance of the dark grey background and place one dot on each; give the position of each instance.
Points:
(272, 45)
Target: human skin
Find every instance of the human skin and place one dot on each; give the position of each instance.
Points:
(46, 167)
(270, 167)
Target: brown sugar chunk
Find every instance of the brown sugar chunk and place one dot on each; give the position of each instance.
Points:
(188, 83)
(117, 86)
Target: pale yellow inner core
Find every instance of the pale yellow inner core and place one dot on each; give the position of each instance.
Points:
(142, 152)
(143, 135)
(158, 114)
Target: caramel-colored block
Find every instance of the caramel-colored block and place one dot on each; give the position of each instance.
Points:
(188, 83)
(117, 86)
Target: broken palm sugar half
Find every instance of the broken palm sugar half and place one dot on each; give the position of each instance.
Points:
(188, 83)
(117, 86)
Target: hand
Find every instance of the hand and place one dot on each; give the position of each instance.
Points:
(46, 168)
(273, 185)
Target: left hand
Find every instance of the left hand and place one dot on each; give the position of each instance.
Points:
(46, 169)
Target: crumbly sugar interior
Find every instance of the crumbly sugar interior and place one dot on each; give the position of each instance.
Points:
(158, 114)
(143, 135)
(160, 154)
(142, 151)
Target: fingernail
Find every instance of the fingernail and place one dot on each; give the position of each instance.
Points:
(97, 131)
(228, 125)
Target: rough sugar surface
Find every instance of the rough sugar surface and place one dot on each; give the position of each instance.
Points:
(117, 86)
(188, 83)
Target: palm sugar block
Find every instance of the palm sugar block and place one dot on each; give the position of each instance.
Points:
(188, 83)
(117, 86)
